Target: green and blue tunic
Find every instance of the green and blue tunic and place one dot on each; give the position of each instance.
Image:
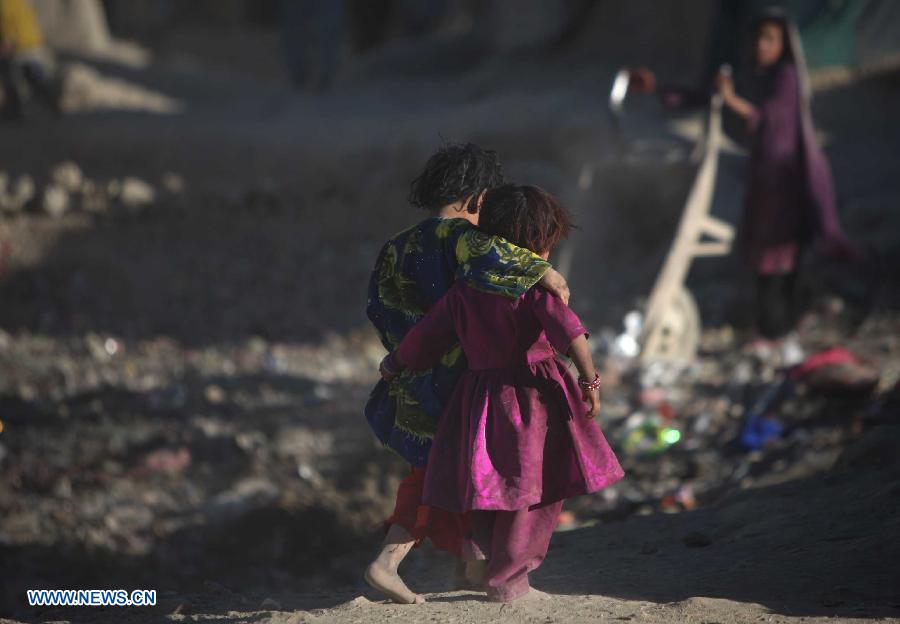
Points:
(414, 269)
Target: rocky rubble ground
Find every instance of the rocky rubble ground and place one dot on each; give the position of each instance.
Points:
(67, 189)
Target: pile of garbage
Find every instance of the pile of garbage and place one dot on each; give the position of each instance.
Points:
(739, 415)
(168, 454)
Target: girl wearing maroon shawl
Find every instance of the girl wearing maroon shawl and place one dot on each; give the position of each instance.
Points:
(790, 201)
(516, 438)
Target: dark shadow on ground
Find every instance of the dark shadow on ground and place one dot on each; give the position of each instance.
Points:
(814, 547)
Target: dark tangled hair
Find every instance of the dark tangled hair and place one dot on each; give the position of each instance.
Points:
(456, 171)
(527, 216)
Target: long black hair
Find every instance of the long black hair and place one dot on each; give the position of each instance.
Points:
(456, 171)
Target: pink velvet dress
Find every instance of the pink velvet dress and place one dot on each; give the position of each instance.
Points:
(515, 433)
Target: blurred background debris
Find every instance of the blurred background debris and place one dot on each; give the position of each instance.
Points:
(190, 211)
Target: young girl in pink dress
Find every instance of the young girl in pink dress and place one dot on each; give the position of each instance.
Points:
(517, 437)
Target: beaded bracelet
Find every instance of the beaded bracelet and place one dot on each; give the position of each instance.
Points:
(590, 385)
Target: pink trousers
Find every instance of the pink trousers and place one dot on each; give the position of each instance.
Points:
(514, 543)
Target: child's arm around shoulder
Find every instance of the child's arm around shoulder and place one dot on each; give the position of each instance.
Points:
(494, 265)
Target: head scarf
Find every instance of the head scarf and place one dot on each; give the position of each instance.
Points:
(793, 52)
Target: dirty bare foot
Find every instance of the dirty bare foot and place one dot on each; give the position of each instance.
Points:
(389, 583)
(382, 573)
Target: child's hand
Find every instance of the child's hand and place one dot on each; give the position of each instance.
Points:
(592, 398)
(554, 282)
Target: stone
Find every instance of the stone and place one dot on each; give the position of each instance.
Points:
(55, 201)
(136, 193)
(173, 183)
(68, 175)
(215, 394)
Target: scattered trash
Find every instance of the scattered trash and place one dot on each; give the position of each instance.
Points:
(215, 394)
(626, 344)
(791, 351)
(67, 175)
(55, 200)
(760, 426)
(565, 521)
(652, 397)
(685, 496)
(309, 474)
(166, 460)
(135, 193)
(649, 434)
(836, 369)
(760, 430)
(111, 346)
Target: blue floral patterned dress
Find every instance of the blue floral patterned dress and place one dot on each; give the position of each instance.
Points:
(414, 270)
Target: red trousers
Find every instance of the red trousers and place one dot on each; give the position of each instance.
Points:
(445, 529)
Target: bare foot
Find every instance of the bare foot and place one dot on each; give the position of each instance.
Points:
(389, 583)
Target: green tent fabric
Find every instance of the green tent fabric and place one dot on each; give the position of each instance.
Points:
(830, 38)
(859, 34)
(848, 33)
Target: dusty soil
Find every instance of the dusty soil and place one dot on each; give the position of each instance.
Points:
(821, 549)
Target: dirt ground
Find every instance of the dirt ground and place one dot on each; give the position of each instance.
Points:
(182, 379)
(811, 550)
